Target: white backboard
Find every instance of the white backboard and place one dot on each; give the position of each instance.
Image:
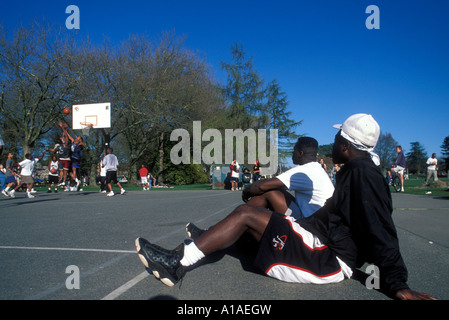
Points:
(97, 114)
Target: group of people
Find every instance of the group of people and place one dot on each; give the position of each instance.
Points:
(65, 164)
(63, 167)
(321, 234)
(235, 173)
(400, 165)
(20, 175)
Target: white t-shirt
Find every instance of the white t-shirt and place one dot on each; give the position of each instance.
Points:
(433, 162)
(54, 165)
(102, 170)
(235, 174)
(311, 184)
(28, 166)
(110, 162)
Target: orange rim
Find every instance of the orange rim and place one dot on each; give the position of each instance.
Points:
(87, 125)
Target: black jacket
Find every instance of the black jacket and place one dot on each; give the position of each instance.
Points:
(356, 223)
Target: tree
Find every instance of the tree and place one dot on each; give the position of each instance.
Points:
(38, 73)
(416, 158)
(252, 105)
(275, 110)
(325, 150)
(159, 86)
(386, 149)
(243, 90)
(445, 151)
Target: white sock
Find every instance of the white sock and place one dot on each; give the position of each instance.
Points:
(191, 255)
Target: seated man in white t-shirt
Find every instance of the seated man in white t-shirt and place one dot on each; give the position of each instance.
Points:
(310, 183)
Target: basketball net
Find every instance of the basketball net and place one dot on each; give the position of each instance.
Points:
(86, 126)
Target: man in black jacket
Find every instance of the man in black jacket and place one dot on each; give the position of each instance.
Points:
(353, 227)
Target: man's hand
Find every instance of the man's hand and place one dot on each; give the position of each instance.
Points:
(260, 187)
(246, 195)
(407, 294)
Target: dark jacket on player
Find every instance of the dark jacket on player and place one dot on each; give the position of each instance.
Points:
(356, 222)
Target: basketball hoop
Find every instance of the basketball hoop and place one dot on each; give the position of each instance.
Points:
(86, 126)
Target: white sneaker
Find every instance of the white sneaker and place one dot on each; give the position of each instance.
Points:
(5, 193)
(122, 191)
(12, 193)
(29, 195)
(110, 194)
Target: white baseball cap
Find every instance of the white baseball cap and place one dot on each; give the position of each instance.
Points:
(362, 128)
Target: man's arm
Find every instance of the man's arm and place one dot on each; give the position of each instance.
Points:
(40, 158)
(260, 187)
(407, 294)
(375, 228)
(65, 134)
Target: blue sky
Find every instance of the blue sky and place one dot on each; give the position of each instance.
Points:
(320, 51)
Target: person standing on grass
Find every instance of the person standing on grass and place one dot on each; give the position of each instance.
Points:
(110, 163)
(432, 164)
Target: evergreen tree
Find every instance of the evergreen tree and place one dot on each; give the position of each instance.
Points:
(416, 158)
(445, 151)
(243, 90)
(386, 149)
(275, 109)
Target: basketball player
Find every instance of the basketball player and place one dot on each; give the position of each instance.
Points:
(110, 162)
(53, 176)
(77, 146)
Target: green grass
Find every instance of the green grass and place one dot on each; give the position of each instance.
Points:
(415, 185)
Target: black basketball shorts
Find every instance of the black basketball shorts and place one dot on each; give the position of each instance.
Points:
(290, 253)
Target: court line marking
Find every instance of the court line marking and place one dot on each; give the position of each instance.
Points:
(67, 249)
(128, 285)
(122, 289)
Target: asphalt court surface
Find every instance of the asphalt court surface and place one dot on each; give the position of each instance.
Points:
(45, 240)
